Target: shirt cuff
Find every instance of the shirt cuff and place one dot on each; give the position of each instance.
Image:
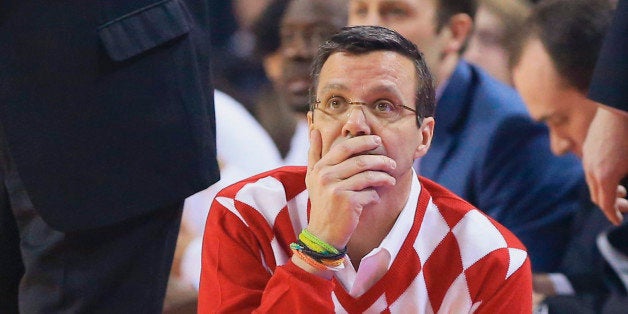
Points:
(616, 259)
(562, 286)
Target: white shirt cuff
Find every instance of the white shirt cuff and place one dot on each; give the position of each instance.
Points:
(562, 286)
(616, 259)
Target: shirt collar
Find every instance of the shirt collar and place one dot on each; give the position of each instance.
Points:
(395, 238)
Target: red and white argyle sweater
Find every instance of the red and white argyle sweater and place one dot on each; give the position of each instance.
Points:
(454, 260)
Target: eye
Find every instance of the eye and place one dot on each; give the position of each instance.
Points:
(394, 12)
(358, 10)
(286, 37)
(336, 103)
(383, 106)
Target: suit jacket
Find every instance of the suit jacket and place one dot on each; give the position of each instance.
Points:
(582, 264)
(609, 84)
(487, 150)
(106, 105)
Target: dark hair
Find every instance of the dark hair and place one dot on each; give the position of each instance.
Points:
(364, 39)
(572, 32)
(266, 28)
(448, 8)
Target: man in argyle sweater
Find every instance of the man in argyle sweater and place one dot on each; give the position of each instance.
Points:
(411, 245)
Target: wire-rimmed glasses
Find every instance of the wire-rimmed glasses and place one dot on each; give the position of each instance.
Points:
(383, 110)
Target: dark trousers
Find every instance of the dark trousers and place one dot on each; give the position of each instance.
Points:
(122, 268)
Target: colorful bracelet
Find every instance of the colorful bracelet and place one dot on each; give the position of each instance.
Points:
(310, 261)
(318, 253)
(335, 265)
(315, 243)
(300, 246)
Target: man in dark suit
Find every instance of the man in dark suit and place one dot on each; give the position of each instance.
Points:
(108, 124)
(486, 148)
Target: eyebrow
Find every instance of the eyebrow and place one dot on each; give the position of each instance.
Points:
(385, 88)
(549, 117)
(334, 86)
(544, 118)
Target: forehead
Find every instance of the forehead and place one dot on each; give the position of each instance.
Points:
(300, 12)
(370, 72)
(537, 79)
(487, 20)
(417, 4)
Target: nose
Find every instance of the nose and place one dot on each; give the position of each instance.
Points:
(356, 123)
(560, 145)
(371, 18)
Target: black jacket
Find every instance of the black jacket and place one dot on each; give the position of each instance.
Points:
(107, 106)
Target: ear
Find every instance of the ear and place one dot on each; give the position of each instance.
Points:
(310, 120)
(459, 29)
(427, 132)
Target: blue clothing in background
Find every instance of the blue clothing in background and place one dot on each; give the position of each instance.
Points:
(487, 149)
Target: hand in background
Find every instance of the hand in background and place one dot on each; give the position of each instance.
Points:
(605, 160)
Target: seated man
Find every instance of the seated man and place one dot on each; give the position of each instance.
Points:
(357, 230)
(552, 71)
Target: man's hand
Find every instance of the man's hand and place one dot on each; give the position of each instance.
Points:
(605, 160)
(342, 182)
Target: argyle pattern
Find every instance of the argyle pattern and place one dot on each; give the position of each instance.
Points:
(453, 260)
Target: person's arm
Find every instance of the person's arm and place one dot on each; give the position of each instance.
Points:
(238, 273)
(514, 295)
(235, 278)
(605, 159)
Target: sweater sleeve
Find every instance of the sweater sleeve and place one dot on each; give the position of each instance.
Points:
(514, 295)
(237, 277)
(293, 290)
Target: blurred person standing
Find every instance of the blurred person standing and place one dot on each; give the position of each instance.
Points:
(493, 39)
(486, 148)
(560, 43)
(108, 124)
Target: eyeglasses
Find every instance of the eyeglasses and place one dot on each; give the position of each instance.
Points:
(382, 109)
